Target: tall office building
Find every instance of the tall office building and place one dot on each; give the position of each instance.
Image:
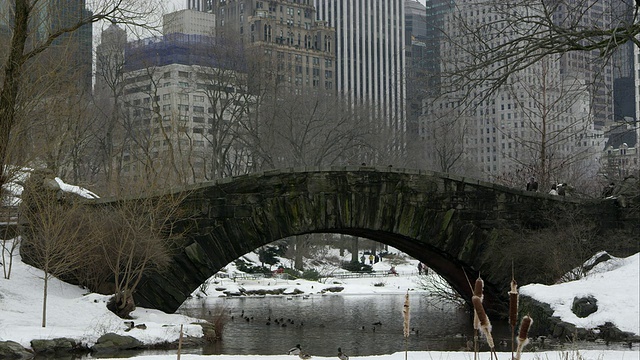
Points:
(597, 72)
(189, 22)
(370, 54)
(49, 16)
(110, 62)
(417, 64)
(623, 65)
(539, 123)
(435, 15)
(297, 51)
(178, 104)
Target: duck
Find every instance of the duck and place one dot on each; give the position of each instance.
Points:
(304, 355)
(295, 350)
(341, 355)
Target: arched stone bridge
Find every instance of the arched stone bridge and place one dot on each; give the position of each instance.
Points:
(442, 220)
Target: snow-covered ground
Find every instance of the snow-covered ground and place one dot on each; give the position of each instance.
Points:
(73, 313)
(615, 284)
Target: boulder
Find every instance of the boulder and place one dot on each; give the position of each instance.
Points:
(113, 342)
(13, 350)
(584, 306)
(54, 345)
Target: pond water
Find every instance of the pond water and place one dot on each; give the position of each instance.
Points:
(361, 325)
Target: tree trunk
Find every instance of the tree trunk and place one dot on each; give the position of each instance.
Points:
(10, 86)
(299, 241)
(122, 305)
(44, 300)
(354, 250)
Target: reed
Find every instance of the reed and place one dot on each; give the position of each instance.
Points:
(406, 322)
(180, 342)
(478, 288)
(478, 291)
(513, 311)
(523, 335)
(485, 324)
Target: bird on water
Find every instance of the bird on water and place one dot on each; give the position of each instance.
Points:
(295, 350)
(341, 355)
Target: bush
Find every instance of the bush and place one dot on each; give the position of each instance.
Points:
(311, 274)
(269, 254)
(293, 273)
(250, 269)
(356, 266)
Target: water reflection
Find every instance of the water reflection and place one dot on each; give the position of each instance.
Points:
(361, 324)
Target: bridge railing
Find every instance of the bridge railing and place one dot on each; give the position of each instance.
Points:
(285, 276)
(366, 274)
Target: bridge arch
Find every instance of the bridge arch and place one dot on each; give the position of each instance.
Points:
(445, 221)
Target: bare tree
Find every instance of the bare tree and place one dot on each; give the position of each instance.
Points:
(537, 29)
(56, 226)
(134, 237)
(553, 133)
(443, 131)
(225, 88)
(28, 43)
(109, 89)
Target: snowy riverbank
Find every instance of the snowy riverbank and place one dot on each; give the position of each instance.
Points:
(73, 313)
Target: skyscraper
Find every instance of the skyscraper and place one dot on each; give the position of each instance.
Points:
(48, 17)
(597, 72)
(370, 54)
(417, 58)
(538, 123)
(623, 65)
(297, 50)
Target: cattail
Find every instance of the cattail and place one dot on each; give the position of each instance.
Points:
(476, 320)
(485, 324)
(513, 304)
(523, 338)
(405, 315)
(478, 288)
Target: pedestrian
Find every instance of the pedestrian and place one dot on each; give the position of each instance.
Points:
(553, 190)
(562, 189)
(371, 257)
(393, 271)
(362, 258)
(419, 268)
(532, 185)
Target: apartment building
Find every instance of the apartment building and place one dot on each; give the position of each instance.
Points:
(540, 123)
(296, 50)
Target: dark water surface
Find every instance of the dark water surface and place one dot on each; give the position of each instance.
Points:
(361, 324)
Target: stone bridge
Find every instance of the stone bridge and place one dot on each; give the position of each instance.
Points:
(445, 221)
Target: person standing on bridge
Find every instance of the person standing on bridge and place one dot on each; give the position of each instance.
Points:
(562, 189)
(532, 185)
